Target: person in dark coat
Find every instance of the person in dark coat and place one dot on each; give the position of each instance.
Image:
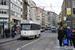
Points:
(6, 32)
(13, 33)
(64, 31)
(68, 36)
(73, 36)
(9, 32)
(60, 36)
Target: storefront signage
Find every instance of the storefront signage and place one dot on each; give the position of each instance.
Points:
(3, 20)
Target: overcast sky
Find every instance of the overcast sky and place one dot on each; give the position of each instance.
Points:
(56, 5)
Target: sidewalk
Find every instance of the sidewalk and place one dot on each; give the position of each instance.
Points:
(9, 39)
(57, 47)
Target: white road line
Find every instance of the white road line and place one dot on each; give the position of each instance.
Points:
(18, 48)
(28, 44)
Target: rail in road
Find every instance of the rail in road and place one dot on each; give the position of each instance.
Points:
(45, 42)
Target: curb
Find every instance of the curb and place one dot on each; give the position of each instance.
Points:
(9, 41)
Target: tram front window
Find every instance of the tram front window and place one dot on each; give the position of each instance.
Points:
(25, 27)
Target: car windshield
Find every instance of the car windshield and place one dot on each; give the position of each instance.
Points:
(26, 27)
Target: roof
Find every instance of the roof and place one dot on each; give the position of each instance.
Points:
(31, 22)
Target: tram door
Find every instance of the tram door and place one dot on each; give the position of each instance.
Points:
(1, 31)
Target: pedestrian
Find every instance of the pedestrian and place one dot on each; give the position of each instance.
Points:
(73, 37)
(60, 36)
(15, 30)
(68, 36)
(6, 32)
(13, 33)
(64, 31)
(9, 32)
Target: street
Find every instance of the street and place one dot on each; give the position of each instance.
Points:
(45, 42)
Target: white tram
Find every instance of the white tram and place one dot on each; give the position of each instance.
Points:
(30, 29)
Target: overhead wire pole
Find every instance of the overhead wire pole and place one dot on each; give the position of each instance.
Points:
(9, 15)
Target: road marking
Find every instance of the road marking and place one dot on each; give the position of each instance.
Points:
(28, 44)
(18, 49)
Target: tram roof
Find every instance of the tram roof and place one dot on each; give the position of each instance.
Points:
(29, 22)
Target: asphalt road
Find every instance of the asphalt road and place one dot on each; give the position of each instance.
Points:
(45, 42)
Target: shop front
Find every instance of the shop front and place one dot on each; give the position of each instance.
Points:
(3, 25)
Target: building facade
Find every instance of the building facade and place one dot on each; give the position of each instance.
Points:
(15, 14)
(39, 15)
(70, 19)
(54, 18)
(32, 10)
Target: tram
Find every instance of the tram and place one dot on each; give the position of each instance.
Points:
(30, 29)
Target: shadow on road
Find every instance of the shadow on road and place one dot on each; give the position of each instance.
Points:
(27, 39)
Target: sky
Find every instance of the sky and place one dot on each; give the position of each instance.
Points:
(50, 5)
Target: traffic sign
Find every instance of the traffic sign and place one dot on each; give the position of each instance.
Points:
(11, 20)
(68, 11)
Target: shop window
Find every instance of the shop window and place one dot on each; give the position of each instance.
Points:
(73, 10)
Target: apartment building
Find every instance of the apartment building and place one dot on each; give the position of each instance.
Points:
(46, 19)
(15, 14)
(39, 15)
(43, 19)
(25, 9)
(53, 16)
(32, 10)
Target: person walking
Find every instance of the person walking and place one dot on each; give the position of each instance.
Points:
(73, 37)
(68, 36)
(6, 32)
(9, 32)
(15, 30)
(13, 33)
(60, 36)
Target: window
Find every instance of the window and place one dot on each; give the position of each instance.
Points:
(73, 10)
(15, 14)
(15, 0)
(26, 27)
(11, 5)
(74, 3)
(35, 27)
(2, 11)
(2, 2)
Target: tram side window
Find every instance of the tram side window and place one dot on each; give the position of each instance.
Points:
(38, 27)
(33, 27)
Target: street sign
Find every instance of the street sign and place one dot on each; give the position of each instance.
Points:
(10, 19)
(68, 11)
(64, 17)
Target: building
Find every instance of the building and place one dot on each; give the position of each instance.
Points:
(53, 16)
(15, 14)
(70, 19)
(25, 9)
(32, 10)
(39, 15)
(46, 20)
(43, 19)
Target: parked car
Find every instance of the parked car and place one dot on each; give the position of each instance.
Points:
(42, 29)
